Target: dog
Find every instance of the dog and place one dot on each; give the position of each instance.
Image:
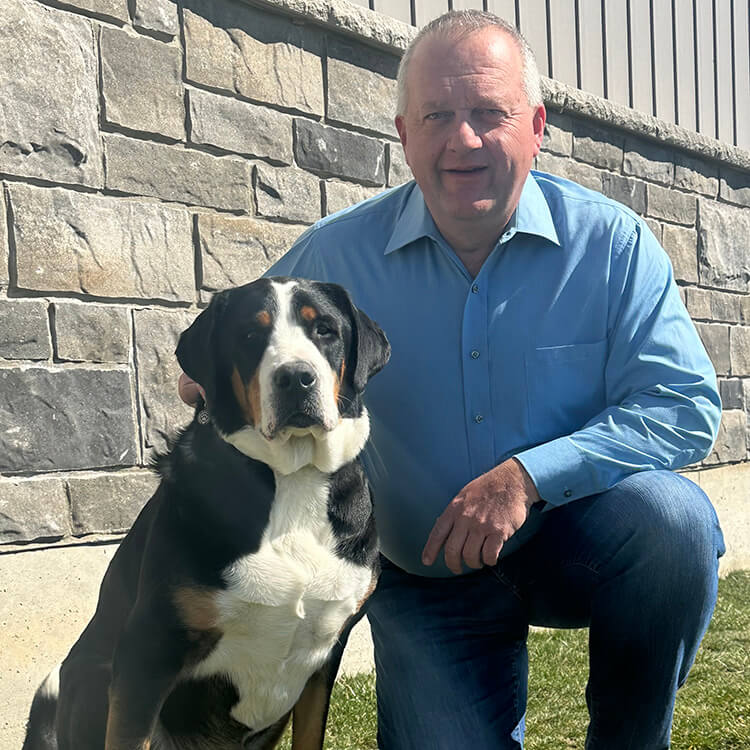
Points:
(227, 606)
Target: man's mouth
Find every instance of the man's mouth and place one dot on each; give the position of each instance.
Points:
(464, 170)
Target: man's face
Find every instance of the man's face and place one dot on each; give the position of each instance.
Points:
(469, 134)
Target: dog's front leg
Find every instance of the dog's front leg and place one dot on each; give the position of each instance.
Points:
(147, 660)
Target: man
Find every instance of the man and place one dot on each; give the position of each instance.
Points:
(544, 380)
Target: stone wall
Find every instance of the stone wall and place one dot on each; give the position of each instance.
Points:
(152, 152)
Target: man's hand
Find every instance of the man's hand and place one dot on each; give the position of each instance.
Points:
(482, 517)
(189, 390)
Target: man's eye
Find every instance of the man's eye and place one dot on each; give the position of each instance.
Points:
(437, 116)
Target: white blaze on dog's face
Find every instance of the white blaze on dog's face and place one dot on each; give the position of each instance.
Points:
(284, 363)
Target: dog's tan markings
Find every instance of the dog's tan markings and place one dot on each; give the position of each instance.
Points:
(368, 593)
(308, 313)
(116, 736)
(264, 318)
(243, 394)
(309, 714)
(196, 607)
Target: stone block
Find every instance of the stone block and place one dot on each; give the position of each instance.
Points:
(337, 153)
(745, 309)
(156, 15)
(648, 161)
(33, 509)
(361, 87)
(725, 307)
(739, 349)
(681, 246)
(286, 193)
(695, 175)
(558, 134)
(4, 275)
(24, 329)
(730, 443)
(598, 146)
(142, 83)
(237, 126)
(255, 54)
(723, 260)
(341, 195)
(108, 503)
(91, 333)
(715, 338)
(162, 410)
(49, 106)
(90, 244)
(698, 303)
(671, 205)
(107, 9)
(735, 186)
(732, 393)
(177, 174)
(576, 171)
(236, 251)
(626, 190)
(398, 170)
(52, 419)
(656, 227)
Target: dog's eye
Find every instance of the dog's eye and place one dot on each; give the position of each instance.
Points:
(322, 329)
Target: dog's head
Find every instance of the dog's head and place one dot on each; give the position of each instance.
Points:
(281, 359)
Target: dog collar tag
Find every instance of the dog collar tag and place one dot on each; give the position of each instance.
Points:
(203, 416)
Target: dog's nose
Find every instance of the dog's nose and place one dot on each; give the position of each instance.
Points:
(294, 376)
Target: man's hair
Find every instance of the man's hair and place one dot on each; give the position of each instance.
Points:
(458, 23)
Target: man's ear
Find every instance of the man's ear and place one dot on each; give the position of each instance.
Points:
(194, 351)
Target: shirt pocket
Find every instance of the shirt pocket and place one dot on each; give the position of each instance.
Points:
(565, 388)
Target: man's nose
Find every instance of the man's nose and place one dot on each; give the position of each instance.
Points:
(465, 137)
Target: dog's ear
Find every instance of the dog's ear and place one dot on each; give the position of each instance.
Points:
(194, 349)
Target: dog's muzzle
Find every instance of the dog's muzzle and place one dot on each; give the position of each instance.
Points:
(296, 394)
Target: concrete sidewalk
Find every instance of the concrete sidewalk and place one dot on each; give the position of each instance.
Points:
(47, 596)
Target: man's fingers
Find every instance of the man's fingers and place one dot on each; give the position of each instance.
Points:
(454, 547)
(189, 390)
(473, 550)
(437, 537)
(491, 549)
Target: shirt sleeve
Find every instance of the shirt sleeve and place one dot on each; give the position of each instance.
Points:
(663, 405)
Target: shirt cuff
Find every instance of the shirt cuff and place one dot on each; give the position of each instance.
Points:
(559, 471)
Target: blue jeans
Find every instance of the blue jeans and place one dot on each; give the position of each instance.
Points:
(637, 565)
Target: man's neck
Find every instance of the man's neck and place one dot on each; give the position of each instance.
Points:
(473, 246)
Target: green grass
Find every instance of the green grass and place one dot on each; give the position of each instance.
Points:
(713, 708)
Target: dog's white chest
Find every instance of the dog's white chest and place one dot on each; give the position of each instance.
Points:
(284, 605)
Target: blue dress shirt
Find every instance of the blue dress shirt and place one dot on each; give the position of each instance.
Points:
(570, 350)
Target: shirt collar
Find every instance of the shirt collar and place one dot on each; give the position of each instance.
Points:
(532, 216)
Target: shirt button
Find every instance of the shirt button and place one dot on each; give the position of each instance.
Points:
(475, 289)
(567, 493)
(475, 354)
(478, 418)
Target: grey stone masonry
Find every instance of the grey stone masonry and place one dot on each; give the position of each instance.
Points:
(4, 276)
(715, 338)
(287, 193)
(156, 335)
(671, 205)
(24, 330)
(176, 174)
(739, 349)
(142, 83)
(723, 233)
(732, 394)
(257, 55)
(33, 509)
(337, 153)
(598, 146)
(108, 9)
(108, 503)
(47, 132)
(398, 169)
(695, 175)
(240, 127)
(341, 195)
(625, 190)
(735, 186)
(710, 304)
(745, 309)
(79, 242)
(356, 80)
(236, 251)
(730, 443)
(680, 242)
(53, 419)
(648, 161)
(558, 134)
(581, 173)
(91, 333)
(156, 15)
